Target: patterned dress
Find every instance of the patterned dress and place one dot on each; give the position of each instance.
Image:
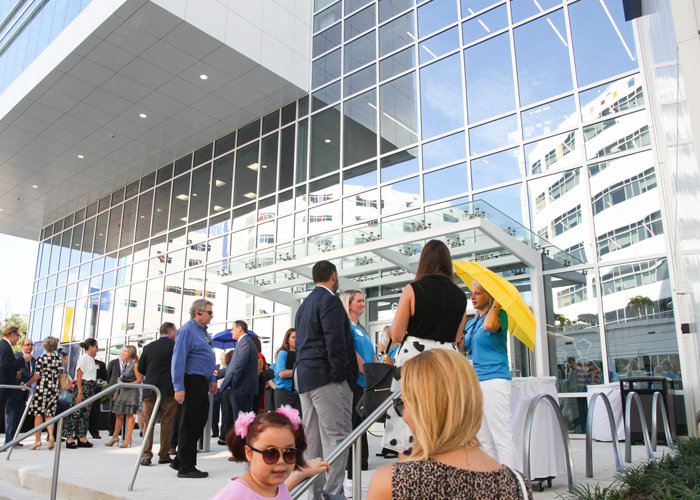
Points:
(434, 480)
(46, 391)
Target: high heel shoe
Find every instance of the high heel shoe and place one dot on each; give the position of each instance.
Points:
(36, 446)
(112, 441)
(126, 444)
(52, 443)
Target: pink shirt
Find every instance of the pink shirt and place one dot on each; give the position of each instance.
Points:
(239, 490)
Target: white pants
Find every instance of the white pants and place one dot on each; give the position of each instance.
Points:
(496, 433)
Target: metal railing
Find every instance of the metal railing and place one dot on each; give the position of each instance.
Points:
(353, 439)
(633, 396)
(570, 472)
(24, 414)
(589, 433)
(655, 405)
(59, 418)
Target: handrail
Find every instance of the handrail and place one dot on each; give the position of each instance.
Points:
(24, 414)
(59, 418)
(655, 404)
(589, 433)
(633, 396)
(570, 471)
(353, 437)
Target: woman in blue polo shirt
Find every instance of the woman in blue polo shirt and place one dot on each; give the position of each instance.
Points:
(354, 303)
(486, 341)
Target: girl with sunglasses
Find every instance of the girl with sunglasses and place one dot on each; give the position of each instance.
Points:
(273, 444)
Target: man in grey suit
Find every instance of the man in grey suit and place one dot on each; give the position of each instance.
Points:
(242, 371)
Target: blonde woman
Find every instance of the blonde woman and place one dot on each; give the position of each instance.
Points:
(127, 401)
(446, 461)
(45, 400)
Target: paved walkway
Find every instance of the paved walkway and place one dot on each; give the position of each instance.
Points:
(104, 473)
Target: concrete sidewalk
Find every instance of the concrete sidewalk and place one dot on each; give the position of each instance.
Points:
(104, 473)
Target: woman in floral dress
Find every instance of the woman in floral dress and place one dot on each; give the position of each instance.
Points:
(45, 400)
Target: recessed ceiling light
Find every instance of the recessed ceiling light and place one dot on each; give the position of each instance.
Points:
(184, 219)
(254, 166)
(250, 195)
(143, 216)
(194, 194)
(203, 77)
(328, 140)
(217, 208)
(264, 166)
(182, 197)
(35, 186)
(220, 183)
(0, 209)
(81, 156)
(100, 234)
(143, 115)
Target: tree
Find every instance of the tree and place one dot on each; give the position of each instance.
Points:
(13, 320)
(563, 320)
(640, 303)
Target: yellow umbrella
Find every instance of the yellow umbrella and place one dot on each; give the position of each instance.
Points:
(521, 322)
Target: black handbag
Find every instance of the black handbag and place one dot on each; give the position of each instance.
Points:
(378, 377)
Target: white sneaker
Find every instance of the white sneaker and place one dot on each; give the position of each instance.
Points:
(347, 487)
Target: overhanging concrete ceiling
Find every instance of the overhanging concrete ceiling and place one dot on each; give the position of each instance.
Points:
(141, 60)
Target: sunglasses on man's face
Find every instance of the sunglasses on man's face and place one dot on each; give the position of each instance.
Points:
(272, 455)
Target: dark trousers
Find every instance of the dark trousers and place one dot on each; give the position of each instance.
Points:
(227, 411)
(216, 411)
(13, 413)
(192, 416)
(176, 426)
(95, 413)
(285, 397)
(240, 403)
(3, 403)
(356, 421)
(112, 419)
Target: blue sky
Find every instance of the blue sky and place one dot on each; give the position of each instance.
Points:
(17, 258)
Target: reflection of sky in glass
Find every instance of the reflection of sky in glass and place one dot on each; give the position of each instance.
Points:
(446, 182)
(603, 41)
(506, 199)
(389, 8)
(396, 34)
(522, 9)
(434, 47)
(485, 24)
(327, 17)
(359, 178)
(490, 87)
(495, 169)
(549, 117)
(435, 15)
(542, 55)
(606, 99)
(493, 135)
(441, 94)
(398, 63)
(469, 7)
(399, 165)
(443, 151)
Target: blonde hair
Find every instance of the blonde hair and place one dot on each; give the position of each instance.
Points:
(448, 418)
(133, 354)
(346, 298)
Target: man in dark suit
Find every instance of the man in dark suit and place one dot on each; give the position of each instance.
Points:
(155, 365)
(9, 366)
(96, 408)
(114, 371)
(17, 400)
(325, 373)
(242, 371)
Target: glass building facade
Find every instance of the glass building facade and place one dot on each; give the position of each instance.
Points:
(536, 107)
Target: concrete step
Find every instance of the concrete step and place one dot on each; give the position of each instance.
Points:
(9, 491)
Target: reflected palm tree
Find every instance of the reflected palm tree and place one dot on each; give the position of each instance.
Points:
(640, 303)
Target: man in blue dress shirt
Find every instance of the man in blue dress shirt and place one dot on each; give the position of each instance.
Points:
(193, 378)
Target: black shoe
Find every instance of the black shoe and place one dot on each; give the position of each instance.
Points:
(86, 444)
(72, 446)
(215, 435)
(96, 436)
(173, 466)
(221, 443)
(165, 461)
(195, 474)
(146, 461)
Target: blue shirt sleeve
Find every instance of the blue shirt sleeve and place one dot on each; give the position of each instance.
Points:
(177, 370)
(280, 362)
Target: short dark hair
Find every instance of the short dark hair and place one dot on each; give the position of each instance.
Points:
(435, 258)
(242, 324)
(322, 271)
(166, 328)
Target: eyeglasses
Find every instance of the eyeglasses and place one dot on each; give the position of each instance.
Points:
(272, 455)
(399, 406)
(29, 345)
(210, 313)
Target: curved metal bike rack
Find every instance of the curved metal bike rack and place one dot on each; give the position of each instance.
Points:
(633, 396)
(589, 433)
(24, 414)
(570, 472)
(655, 405)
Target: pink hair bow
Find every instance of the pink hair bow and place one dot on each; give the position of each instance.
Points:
(242, 423)
(292, 414)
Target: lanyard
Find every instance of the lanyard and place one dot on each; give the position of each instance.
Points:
(472, 332)
(126, 368)
(204, 332)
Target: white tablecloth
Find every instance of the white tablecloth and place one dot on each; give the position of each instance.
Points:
(601, 427)
(546, 445)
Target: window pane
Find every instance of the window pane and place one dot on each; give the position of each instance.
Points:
(611, 98)
(325, 69)
(147, 182)
(115, 220)
(100, 235)
(509, 200)
(203, 154)
(445, 150)
(616, 135)
(389, 8)
(398, 63)
(326, 40)
(470, 7)
(325, 142)
(360, 22)
(302, 150)
(401, 195)
(360, 52)
(325, 189)
(249, 132)
(199, 199)
(559, 151)
(441, 94)
(287, 157)
(88, 237)
(245, 187)
(399, 165)
(522, 9)
(434, 47)
(223, 145)
(327, 17)
(359, 178)
(143, 220)
(496, 168)
(324, 217)
(180, 201)
(398, 113)
(396, 34)
(163, 174)
(361, 207)
(360, 80)
(66, 239)
(185, 163)
(490, 86)
(325, 96)
(549, 117)
(268, 162)
(599, 27)
(446, 182)
(493, 135)
(436, 14)
(75, 244)
(221, 183)
(161, 209)
(542, 56)
(360, 128)
(479, 27)
(289, 112)
(353, 5)
(271, 122)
